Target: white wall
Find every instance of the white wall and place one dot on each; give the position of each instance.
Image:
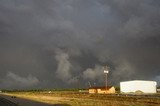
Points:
(133, 86)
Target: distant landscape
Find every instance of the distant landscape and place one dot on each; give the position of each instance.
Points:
(83, 98)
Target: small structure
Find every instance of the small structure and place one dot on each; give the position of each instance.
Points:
(138, 86)
(101, 90)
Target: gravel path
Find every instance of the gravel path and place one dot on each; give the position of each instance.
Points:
(5, 102)
(15, 101)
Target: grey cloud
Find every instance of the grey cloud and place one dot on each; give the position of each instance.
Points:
(14, 81)
(93, 74)
(157, 79)
(61, 42)
(64, 66)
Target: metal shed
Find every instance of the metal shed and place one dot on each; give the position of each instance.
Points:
(138, 86)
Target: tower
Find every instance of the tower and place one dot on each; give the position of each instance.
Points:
(106, 71)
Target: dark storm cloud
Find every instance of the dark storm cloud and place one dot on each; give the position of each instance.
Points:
(66, 43)
(12, 80)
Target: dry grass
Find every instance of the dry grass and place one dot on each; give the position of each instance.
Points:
(84, 99)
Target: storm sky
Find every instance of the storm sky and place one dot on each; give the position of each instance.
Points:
(66, 43)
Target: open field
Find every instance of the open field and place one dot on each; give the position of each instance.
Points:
(75, 98)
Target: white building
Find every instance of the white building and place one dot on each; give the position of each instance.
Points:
(138, 86)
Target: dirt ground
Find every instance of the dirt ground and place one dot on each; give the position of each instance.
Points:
(16, 101)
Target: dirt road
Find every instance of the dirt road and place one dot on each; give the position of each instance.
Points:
(15, 101)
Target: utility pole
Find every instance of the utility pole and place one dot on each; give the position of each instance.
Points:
(106, 71)
(89, 84)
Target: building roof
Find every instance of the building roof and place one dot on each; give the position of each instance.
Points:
(138, 81)
(98, 87)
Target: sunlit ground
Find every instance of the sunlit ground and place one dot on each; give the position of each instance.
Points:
(85, 99)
